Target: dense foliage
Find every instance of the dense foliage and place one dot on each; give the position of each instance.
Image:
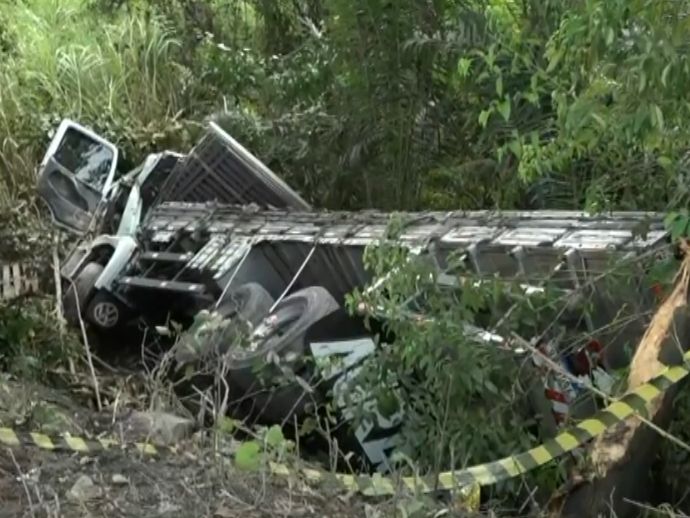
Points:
(406, 104)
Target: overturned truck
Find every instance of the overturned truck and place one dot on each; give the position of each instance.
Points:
(288, 273)
(217, 243)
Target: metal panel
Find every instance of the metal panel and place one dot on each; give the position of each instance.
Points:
(529, 237)
(167, 257)
(230, 256)
(164, 285)
(469, 235)
(488, 237)
(205, 257)
(220, 169)
(594, 239)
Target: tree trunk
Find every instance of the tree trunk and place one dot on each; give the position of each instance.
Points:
(620, 460)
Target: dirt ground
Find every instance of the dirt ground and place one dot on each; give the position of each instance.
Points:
(36, 483)
(122, 483)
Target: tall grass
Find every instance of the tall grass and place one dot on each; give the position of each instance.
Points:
(122, 76)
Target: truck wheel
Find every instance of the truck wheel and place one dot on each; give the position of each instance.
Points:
(77, 294)
(250, 302)
(281, 334)
(104, 312)
(245, 305)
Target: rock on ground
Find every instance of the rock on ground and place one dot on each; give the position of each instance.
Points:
(84, 489)
(157, 427)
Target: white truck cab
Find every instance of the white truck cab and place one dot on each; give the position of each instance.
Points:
(89, 195)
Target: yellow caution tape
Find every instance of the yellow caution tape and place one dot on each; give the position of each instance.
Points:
(466, 482)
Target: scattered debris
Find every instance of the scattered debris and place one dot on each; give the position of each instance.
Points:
(119, 479)
(84, 489)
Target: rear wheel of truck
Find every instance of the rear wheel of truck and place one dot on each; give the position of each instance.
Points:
(239, 309)
(279, 341)
(199, 349)
(77, 294)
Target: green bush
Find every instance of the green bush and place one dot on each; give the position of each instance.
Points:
(29, 344)
(464, 403)
(120, 75)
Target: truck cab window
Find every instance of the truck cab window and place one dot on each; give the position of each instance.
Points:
(89, 160)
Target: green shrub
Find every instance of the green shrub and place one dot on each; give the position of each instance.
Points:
(464, 403)
(121, 75)
(29, 344)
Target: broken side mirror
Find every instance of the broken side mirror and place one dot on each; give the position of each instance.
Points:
(75, 175)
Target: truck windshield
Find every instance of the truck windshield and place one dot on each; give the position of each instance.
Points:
(89, 160)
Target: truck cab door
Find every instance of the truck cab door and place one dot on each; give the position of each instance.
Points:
(75, 175)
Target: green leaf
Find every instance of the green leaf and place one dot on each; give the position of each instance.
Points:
(664, 75)
(501, 153)
(658, 116)
(491, 387)
(464, 65)
(554, 60)
(226, 425)
(640, 118)
(274, 436)
(504, 108)
(643, 81)
(532, 97)
(499, 85)
(679, 228)
(610, 35)
(599, 119)
(484, 118)
(665, 162)
(308, 426)
(677, 223)
(248, 456)
(670, 218)
(516, 147)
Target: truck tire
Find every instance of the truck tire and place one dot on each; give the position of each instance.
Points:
(77, 295)
(287, 326)
(104, 312)
(247, 304)
(250, 301)
(284, 331)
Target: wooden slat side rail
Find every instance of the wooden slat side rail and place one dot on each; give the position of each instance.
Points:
(16, 279)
